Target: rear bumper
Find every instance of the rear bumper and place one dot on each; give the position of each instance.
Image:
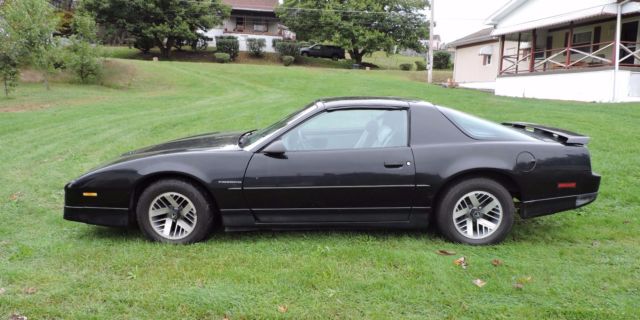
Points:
(542, 207)
(110, 217)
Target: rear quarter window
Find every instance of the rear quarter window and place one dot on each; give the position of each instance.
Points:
(482, 129)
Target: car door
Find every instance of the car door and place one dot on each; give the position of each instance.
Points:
(316, 51)
(351, 165)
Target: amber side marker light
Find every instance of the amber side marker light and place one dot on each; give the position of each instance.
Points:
(566, 185)
(90, 194)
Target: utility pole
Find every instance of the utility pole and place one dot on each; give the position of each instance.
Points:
(430, 64)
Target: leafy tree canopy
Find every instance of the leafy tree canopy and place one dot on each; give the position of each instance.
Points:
(162, 23)
(360, 26)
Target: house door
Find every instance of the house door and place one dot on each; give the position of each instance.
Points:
(629, 38)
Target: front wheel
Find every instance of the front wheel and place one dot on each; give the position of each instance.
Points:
(477, 211)
(174, 211)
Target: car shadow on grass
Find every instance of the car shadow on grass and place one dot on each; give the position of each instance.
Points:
(523, 230)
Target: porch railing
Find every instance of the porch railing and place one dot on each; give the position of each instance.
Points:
(579, 57)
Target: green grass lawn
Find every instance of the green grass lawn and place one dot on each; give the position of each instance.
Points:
(583, 264)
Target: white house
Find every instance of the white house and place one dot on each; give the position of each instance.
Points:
(585, 50)
(476, 59)
(251, 19)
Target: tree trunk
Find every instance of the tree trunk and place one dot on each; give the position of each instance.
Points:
(46, 81)
(356, 55)
(165, 48)
(6, 87)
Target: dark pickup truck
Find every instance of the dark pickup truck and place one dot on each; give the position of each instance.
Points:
(323, 51)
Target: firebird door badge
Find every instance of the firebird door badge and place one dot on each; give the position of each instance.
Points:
(233, 184)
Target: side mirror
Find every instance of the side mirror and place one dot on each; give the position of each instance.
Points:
(275, 148)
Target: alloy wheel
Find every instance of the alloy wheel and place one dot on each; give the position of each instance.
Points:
(477, 215)
(172, 215)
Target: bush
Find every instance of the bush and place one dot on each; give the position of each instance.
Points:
(222, 57)
(288, 48)
(228, 44)
(441, 60)
(256, 46)
(406, 66)
(83, 61)
(421, 66)
(288, 60)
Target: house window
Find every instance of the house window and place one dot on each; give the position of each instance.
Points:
(239, 23)
(486, 60)
(582, 41)
(260, 26)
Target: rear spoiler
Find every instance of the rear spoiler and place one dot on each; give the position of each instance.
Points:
(563, 136)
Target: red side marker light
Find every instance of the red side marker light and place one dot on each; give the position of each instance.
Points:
(566, 185)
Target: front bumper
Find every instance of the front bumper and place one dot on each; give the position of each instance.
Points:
(110, 217)
(542, 207)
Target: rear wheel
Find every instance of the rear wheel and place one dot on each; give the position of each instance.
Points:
(335, 57)
(174, 211)
(477, 211)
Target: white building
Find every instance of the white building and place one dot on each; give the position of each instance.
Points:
(585, 50)
(251, 19)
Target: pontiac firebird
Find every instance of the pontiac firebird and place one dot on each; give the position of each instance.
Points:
(344, 163)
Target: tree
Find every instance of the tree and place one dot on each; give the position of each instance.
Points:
(82, 57)
(31, 23)
(9, 71)
(164, 23)
(360, 26)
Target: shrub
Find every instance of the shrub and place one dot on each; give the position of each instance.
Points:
(288, 60)
(222, 57)
(406, 66)
(228, 44)
(256, 46)
(441, 60)
(83, 61)
(288, 48)
(421, 66)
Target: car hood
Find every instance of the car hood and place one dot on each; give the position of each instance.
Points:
(209, 141)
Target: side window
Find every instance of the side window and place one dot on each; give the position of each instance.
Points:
(350, 129)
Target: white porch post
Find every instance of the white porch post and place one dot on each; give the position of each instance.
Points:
(616, 56)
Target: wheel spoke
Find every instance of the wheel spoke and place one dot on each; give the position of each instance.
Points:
(167, 227)
(488, 224)
(157, 212)
(185, 226)
(187, 209)
(171, 201)
(494, 203)
(469, 227)
(474, 200)
(459, 213)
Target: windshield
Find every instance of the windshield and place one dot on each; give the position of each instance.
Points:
(262, 134)
(482, 129)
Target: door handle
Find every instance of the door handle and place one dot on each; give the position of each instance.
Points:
(391, 164)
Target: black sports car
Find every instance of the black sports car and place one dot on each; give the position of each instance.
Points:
(347, 162)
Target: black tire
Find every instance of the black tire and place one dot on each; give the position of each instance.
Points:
(304, 54)
(455, 193)
(203, 210)
(335, 57)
